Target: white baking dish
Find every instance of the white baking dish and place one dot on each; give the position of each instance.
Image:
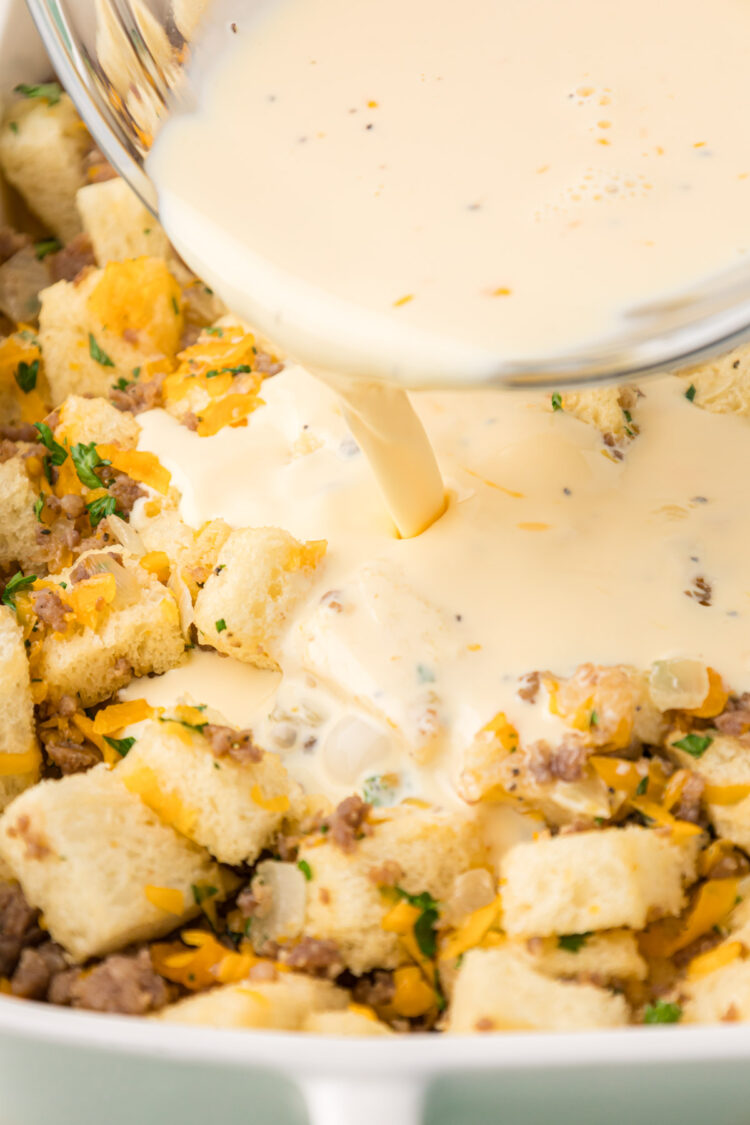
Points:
(68, 1068)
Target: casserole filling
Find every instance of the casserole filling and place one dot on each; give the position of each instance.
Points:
(263, 764)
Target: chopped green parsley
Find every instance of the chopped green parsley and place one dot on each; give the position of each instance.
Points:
(695, 744)
(240, 369)
(305, 868)
(101, 508)
(661, 1011)
(14, 586)
(47, 246)
(424, 927)
(97, 354)
(26, 374)
(572, 942)
(57, 453)
(86, 459)
(49, 91)
(121, 745)
(200, 894)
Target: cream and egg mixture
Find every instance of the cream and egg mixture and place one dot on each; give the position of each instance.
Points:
(391, 191)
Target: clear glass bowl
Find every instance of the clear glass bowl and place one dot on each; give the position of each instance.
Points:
(121, 61)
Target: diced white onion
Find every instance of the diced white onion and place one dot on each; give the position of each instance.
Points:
(353, 747)
(184, 601)
(128, 587)
(678, 684)
(471, 890)
(126, 536)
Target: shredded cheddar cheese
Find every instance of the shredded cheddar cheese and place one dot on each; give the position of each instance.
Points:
(413, 996)
(168, 899)
(471, 932)
(278, 804)
(713, 902)
(145, 468)
(156, 563)
(167, 806)
(118, 715)
(714, 959)
(13, 765)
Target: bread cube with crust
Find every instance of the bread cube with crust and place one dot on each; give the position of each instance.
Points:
(43, 143)
(103, 869)
(193, 552)
(603, 407)
(262, 573)
(718, 997)
(597, 880)
(137, 634)
(497, 990)
(113, 321)
(425, 849)
(725, 767)
(118, 224)
(95, 419)
(228, 794)
(610, 956)
(20, 544)
(19, 754)
(722, 384)
(278, 1005)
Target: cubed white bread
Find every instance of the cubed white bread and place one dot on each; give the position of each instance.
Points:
(19, 543)
(497, 990)
(611, 956)
(216, 797)
(348, 1024)
(722, 385)
(84, 850)
(344, 902)
(131, 310)
(602, 407)
(118, 224)
(95, 419)
(139, 639)
(593, 881)
(280, 1005)
(43, 157)
(725, 762)
(191, 550)
(17, 736)
(718, 996)
(263, 574)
